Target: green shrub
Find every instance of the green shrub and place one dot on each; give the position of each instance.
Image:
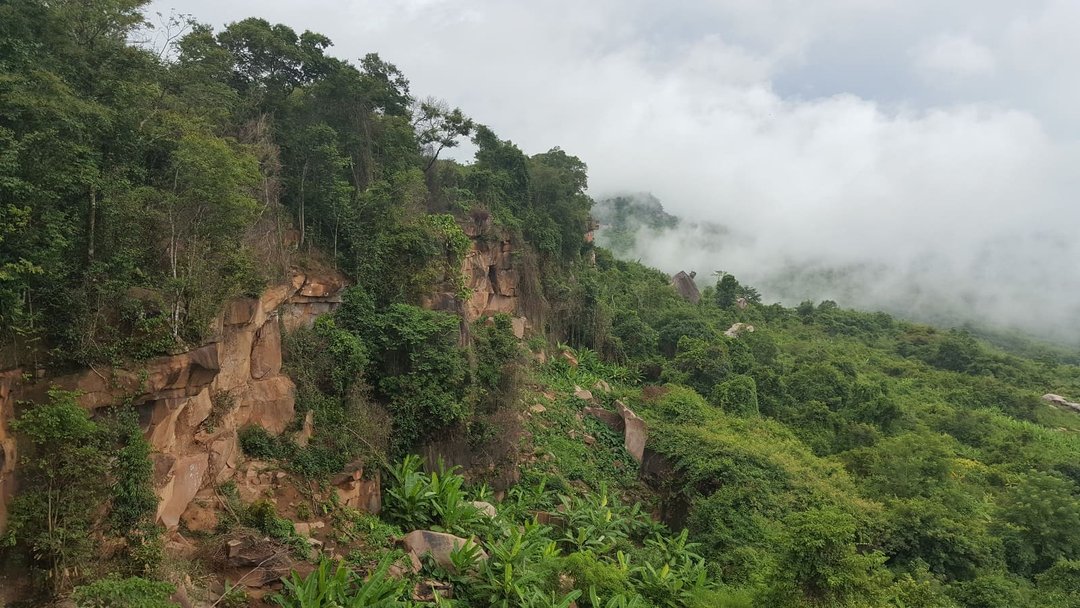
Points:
(257, 442)
(131, 592)
(71, 462)
(737, 395)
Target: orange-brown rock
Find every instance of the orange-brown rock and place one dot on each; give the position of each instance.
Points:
(357, 492)
(201, 514)
(7, 442)
(569, 357)
(173, 394)
(323, 285)
(224, 452)
(174, 376)
(266, 351)
(612, 420)
(268, 403)
(241, 311)
(182, 482)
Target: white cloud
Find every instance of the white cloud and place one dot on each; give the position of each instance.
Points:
(942, 190)
(954, 55)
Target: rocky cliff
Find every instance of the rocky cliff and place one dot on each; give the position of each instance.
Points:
(492, 277)
(192, 404)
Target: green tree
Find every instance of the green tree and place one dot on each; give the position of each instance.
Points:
(727, 290)
(820, 566)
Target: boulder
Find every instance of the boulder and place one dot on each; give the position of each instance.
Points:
(485, 507)
(437, 544)
(519, 325)
(240, 311)
(181, 483)
(275, 296)
(555, 520)
(323, 285)
(223, 456)
(635, 434)
(1060, 401)
(537, 409)
(612, 420)
(158, 420)
(234, 353)
(307, 430)
(602, 385)
(738, 329)
(683, 284)
(170, 377)
(200, 515)
(569, 358)
(355, 491)
(427, 590)
(197, 410)
(264, 561)
(583, 394)
(307, 529)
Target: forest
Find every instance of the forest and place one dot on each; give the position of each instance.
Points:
(808, 456)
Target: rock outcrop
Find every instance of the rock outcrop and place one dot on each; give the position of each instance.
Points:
(684, 285)
(437, 544)
(624, 420)
(491, 276)
(635, 433)
(739, 329)
(235, 379)
(1061, 402)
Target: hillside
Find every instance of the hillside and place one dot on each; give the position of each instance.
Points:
(263, 345)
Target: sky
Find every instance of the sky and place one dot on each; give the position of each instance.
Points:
(929, 149)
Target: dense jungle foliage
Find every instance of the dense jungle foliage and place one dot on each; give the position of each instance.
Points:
(825, 457)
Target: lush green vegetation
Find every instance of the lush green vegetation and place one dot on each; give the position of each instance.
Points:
(826, 457)
(86, 482)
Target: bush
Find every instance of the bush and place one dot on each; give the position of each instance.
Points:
(737, 396)
(131, 592)
(257, 442)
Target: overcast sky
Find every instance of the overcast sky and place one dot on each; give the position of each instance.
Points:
(936, 142)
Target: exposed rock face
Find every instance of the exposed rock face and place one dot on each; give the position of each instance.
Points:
(490, 275)
(738, 329)
(176, 394)
(625, 421)
(438, 544)
(357, 492)
(636, 434)
(1061, 402)
(612, 420)
(180, 485)
(684, 284)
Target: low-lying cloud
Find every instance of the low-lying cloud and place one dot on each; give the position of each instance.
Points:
(926, 150)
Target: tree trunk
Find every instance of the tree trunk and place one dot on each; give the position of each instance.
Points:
(93, 224)
(303, 220)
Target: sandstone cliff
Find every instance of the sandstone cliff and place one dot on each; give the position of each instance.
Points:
(492, 277)
(191, 405)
